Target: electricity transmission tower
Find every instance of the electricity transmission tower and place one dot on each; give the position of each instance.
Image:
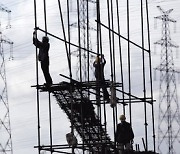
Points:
(5, 128)
(169, 123)
(84, 58)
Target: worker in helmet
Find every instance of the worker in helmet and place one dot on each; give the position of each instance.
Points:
(99, 64)
(43, 56)
(124, 135)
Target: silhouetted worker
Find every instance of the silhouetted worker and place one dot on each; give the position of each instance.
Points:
(43, 56)
(99, 64)
(124, 135)
(71, 139)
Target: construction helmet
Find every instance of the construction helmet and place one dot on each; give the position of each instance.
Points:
(122, 117)
(97, 59)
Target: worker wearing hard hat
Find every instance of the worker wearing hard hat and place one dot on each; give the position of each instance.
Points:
(124, 135)
(43, 56)
(99, 64)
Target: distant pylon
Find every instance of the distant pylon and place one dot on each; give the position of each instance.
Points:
(85, 42)
(169, 116)
(5, 127)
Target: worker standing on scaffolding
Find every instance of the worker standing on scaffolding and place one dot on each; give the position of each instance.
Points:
(124, 136)
(43, 56)
(99, 64)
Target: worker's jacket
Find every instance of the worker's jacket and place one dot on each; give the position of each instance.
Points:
(99, 69)
(124, 133)
(43, 49)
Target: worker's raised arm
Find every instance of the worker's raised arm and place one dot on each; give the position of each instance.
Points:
(36, 42)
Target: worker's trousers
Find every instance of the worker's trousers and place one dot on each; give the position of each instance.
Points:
(45, 69)
(124, 147)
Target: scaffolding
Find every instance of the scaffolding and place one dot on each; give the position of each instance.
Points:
(82, 100)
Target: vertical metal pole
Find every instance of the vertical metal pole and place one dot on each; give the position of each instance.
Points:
(101, 52)
(112, 57)
(87, 33)
(144, 77)
(50, 122)
(120, 52)
(45, 19)
(113, 46)
(69, 31)
(129, 60)
(37, 81)
(150, 72)
(69, 40)
(79, 39)
(110, 39)
(88, 55)
(80, 61)
(98, 52)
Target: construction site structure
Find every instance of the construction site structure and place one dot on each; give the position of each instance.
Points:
(169, 115)
(5, 126)
(83, 100)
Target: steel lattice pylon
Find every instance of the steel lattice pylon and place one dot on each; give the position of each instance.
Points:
(84, 39)
(5, 127)
(168, 124)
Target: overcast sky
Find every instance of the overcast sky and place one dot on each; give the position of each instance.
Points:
(21, 71)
